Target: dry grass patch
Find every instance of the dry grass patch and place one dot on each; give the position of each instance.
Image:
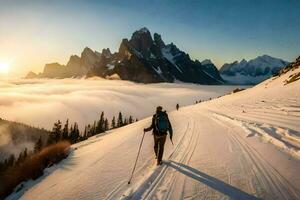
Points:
(32, 167)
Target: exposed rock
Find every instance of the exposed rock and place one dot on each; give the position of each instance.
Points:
(140, 59)
(31, 75)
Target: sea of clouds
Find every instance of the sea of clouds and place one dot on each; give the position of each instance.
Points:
(41, 102)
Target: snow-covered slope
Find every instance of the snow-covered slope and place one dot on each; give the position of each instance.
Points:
(253, 71)
(240, 146)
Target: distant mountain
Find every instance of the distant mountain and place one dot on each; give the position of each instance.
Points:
(252, 71)
(141, 59)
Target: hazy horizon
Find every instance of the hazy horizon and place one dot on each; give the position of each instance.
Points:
(35, 33)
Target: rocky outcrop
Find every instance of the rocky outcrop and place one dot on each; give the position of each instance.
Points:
(141, 59)
(31, 75)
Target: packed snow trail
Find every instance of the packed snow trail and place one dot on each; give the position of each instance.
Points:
(221, 151)
(211, 159)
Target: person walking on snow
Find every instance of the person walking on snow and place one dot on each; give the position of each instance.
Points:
(160, 126)
(177, 106)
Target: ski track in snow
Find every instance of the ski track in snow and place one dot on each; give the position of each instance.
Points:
(219, 152)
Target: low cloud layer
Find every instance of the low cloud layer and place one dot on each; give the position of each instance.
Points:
(42, 102)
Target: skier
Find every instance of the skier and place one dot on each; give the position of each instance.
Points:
(160, 125)
(177, 106)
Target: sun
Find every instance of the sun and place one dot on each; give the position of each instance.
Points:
(4, 67)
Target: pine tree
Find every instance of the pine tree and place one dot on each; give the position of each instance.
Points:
(65, 131)
(55, 134)
(74, 133)
(22, 156)
(100, 125)
(77, 133)
(89, 134)
(106, 125)
(130, 120)
(125, 122)
(85, 133)
(113, 123)
(94, 129)
(11, 160)
(38, 145)
(120, 120)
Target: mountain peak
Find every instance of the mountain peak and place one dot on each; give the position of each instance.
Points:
(87, 49)
(144, 30)
(206, 62)
(141, 41)
(252, 71)
(157, 39)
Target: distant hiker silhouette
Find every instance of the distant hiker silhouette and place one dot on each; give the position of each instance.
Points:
(177, 106)
(160, 126)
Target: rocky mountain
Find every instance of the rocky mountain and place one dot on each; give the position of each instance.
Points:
(142, 58)
(252, 71)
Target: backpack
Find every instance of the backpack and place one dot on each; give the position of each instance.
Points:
(162, 122)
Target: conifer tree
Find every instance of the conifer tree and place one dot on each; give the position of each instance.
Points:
(89, 134)
(125, 122)
(22, 156)
(65, 131)
(100, 125)
(93, 129)
(113, 123)
(38, 145)
(85, 133)
(120, 120)
(77, 133)
(130, 120)
(55, 134)
(11, 160)
(74, 133)
(106, 125)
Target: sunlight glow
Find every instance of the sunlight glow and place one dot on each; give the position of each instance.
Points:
(4, 67)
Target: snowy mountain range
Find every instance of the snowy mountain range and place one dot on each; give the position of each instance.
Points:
(140, 59)
(252, 71)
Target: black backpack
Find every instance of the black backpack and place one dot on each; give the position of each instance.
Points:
(162, 122)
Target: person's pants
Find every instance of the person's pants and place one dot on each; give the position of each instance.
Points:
(159, 143)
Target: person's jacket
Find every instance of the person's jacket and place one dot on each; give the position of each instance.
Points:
(154, 128)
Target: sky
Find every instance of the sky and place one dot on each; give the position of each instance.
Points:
(35, 32)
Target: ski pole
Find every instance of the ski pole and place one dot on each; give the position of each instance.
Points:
(136, 158)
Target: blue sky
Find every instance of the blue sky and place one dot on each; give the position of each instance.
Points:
(33, 33)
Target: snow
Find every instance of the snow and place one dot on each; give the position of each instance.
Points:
(212, 77)
(152, 56)
(246, 72)
(143, 30)
(158, 70)
(219, 152)
(206, 62)
(167, 54)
